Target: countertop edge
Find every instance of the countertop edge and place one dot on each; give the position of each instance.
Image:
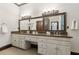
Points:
(41, 35)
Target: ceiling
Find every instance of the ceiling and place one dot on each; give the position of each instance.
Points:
(20, 4)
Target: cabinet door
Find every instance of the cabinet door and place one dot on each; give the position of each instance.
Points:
(51, 49)
(17, 42)
(24, 44)
(14, 42)
(63, 50)
(42, 50)
(42, 45)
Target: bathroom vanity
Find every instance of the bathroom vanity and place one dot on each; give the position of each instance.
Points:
(47, 31)
(47, 44)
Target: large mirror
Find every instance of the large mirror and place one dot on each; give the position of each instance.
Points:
(33, 24)
(54, 23)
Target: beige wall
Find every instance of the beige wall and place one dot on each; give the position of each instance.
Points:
(35, 9)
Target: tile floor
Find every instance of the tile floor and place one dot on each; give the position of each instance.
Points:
(16, 51)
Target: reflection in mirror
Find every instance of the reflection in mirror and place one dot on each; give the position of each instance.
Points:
(24, 25)
(56, 19)
(60, 22)
(54, 25)
(46, 23)
(33, 23)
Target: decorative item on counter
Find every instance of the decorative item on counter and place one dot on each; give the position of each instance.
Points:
(36, 32)
(28, 32)
(33, 32)
(26, 17)
(50, 12)
(48, 33)
(55, 11)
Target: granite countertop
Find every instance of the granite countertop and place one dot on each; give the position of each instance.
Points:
(62, 36)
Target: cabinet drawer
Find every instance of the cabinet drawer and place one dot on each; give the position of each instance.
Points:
(42, 45)
(63, 50)
(28, 39)
(51, 46)
(52, 41)
(51, 49)
(16, 43)
(42, 40)
(51, 52)
(24, 44)
(18, 36)
(13, 43)
(33, 39)
(41, 50)
(65, 43)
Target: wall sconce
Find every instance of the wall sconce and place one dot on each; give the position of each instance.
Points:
(74, 24)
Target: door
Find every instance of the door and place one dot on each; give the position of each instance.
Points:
(40, 26)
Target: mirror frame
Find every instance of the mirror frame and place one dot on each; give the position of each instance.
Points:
(63, 13)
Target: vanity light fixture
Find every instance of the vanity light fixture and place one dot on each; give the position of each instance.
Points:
(50, 12)
(25, 17)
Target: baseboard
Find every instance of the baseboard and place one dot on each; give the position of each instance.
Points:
(74, 53)
(5, 47)
(32, 45)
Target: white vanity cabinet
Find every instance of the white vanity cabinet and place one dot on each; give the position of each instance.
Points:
(54, 46)
(46, 45)
(19, 41)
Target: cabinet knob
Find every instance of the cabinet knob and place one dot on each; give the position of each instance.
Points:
(57, 48)
(14, 40)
